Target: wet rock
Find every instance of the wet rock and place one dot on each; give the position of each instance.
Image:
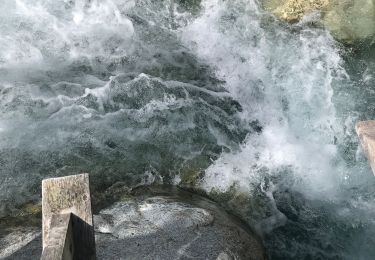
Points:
(172, 225)
(16, 240)
(366, 133)
(156, 223)
(349, 21)
(293, 10)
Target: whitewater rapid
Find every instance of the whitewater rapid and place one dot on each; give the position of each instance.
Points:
(217, 96)
(305, 162)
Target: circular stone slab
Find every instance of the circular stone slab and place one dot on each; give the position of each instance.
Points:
(173, 225)
(157, 223)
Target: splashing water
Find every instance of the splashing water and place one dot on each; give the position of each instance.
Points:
(214, 95)
(314, 196)
(104, 87)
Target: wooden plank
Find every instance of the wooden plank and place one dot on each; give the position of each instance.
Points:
(60, 243)
(65, 195)
(69, 238)
(83, 239)
(366, 133)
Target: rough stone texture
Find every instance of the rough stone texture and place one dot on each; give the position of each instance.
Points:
(294, 10)
(154, 224)
(349, 20)
(366, 133)
(69, 194)
(19, 238)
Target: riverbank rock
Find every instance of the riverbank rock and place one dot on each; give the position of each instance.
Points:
(349, 21)
(160, 224)
(293, 10)
(366, 134)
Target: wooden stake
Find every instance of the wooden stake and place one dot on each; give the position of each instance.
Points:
(67, 218)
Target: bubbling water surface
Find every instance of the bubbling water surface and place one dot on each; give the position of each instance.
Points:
(312, 193)
(105, 87)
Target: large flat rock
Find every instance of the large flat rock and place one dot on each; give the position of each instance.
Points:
(155, 223)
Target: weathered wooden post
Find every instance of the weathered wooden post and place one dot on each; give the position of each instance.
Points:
(68, 231)
(366, 133)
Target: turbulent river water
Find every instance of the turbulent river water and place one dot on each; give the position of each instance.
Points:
(218, 96)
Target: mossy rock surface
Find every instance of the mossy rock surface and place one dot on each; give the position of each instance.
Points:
(350, 21)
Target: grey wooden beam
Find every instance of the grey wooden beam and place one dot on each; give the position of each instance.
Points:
(366, 133)
(68, 231)
(60, 244)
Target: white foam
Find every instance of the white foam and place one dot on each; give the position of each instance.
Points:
(40, 32)
(283, 80)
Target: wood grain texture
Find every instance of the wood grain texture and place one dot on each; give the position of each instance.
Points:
(68, 195)
(60, 243)
(69, 238)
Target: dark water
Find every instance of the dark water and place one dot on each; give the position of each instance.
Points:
(213, 95)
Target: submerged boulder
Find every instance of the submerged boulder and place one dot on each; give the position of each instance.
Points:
(349, 21)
